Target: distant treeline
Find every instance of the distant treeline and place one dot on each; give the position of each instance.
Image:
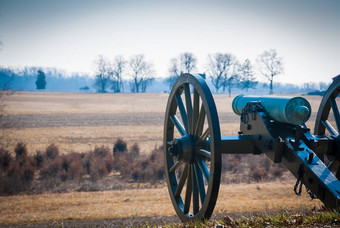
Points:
(58, 81)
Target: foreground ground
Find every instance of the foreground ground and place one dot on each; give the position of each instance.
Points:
(145, 203)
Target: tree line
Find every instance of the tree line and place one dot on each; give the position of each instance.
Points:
(227, 72)
(223, 69)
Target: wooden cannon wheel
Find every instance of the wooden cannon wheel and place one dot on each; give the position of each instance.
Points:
(325, 121)
(192, 142)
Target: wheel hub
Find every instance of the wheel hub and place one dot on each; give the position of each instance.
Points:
(184, 148)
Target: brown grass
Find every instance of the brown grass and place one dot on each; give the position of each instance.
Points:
(85, 138)
(43, 103)
(145, 202)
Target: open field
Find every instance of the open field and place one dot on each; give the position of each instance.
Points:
(79, 122)
(146, 202)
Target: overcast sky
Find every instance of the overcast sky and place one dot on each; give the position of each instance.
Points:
(71, 34)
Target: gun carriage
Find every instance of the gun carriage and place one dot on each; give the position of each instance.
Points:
(275, 126)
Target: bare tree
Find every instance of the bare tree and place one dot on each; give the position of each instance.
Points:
(174, 72)
(218, 69)
(103, 74)
(323, 86)
(226, 65)
(141, 73)
(116, 74)
(247, 76)
(270, 65)
(309, 86)
(188, 61)
(232, 77)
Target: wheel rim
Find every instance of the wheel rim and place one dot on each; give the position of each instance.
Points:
(327, 123)
(192, 148)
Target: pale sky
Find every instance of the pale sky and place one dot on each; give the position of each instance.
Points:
(69, 35)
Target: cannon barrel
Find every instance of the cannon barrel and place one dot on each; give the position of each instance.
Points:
(292, 110)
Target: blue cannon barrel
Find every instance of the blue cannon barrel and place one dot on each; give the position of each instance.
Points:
(292, 110)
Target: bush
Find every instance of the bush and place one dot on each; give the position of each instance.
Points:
(119, 147)
(101, 151)
(5, 159)
(72, 167)
(97, 167)
(52, 151)
(277, 171)
(134, 151)
(20, 152)
(18, 178)
(258, 173)
(39, 159)
(146, 169)
(52, 169)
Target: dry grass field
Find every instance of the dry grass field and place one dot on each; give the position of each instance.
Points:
(233, 198)
(79, 122)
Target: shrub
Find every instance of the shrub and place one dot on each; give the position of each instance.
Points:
(146, 169)
(20, 152)
(109, 162)
(18, 178)
(134, 151)
(277, 171)
(52, 151)
(101, 151)
(267, 164)
(97, 167)
(258, 173)
(39, 159)
(52, 168)
(5, 159)
(72, 166)
(119, 147)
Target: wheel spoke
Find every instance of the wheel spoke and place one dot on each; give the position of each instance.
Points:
(329, 127)
(204, 137)
(182, 111)
(195, 199)
(200, 183)
(196, 109)
(177, 124)
(175, 166)
(204, 153)
(188, 193)
(200, 123)
(203, 168)
(182, 182)
(335, 112)
(189, 107)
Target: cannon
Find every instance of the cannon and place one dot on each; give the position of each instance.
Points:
(271, 125)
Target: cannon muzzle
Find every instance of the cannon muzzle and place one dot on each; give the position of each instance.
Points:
(292, 110)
